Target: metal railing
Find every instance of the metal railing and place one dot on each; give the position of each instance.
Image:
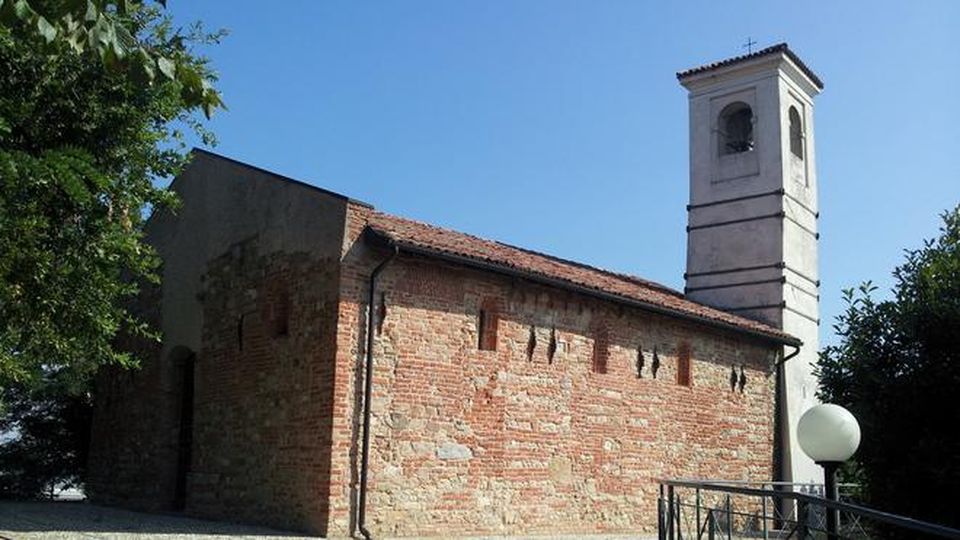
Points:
(715, 509)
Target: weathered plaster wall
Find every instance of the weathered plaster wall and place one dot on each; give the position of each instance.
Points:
(469, 441)
(752, 236)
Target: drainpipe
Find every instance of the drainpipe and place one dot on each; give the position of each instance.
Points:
(368, 394)
(786, 508)
(796, 351)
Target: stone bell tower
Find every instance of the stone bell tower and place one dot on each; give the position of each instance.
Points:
(752, 218)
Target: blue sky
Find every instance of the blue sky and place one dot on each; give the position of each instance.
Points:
(559, 125)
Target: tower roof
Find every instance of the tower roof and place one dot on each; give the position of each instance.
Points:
(780, 48)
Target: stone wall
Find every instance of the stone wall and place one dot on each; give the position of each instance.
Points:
(519, 440)
(261, 449)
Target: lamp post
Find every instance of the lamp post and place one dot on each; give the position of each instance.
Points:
(829, 434)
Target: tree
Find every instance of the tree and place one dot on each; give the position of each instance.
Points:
(897, 368)
(49, 450)
(103, 28)
(95, 101)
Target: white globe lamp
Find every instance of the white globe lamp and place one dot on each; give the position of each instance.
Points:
(829, 434)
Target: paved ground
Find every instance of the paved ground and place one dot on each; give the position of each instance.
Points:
(70, 520)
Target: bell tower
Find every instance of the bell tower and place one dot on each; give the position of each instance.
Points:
(752, 218)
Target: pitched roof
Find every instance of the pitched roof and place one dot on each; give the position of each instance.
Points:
(775, 49)
(421, 238)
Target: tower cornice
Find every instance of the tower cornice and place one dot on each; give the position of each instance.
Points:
(776, 57)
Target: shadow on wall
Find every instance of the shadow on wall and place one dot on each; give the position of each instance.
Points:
(76, 518)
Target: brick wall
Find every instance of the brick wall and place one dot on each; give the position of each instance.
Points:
(505, 441)
(133, 444)
(249, 258)
(261, 448)
(553, 431)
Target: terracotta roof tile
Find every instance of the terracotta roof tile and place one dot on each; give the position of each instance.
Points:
(421, 237)
(775, 49)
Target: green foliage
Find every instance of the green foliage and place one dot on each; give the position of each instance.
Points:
(108, 30)
(81, 145)
(897, 368)
(49, 450)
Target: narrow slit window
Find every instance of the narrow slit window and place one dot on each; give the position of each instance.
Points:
(487, 322)
(281, 316)
(683, 364)
(531, 343)
(601, 352)
(552, 346)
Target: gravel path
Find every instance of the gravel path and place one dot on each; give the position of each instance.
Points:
(69, 520)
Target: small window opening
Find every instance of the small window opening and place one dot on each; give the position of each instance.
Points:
(552, 346)
(601, 352)
(488, 320)
(531, 343)
(796, 133)
(281, 316)
(735, 129)
(382, 315)
(655, 366)
(640, 362)
(683, 364)
(240, 332)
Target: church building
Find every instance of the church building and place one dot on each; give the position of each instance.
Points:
(329, 368)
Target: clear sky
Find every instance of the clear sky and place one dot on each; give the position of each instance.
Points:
(559, 125)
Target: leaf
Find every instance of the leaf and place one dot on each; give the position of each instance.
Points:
(167, 67)
(142, 69)
(92, 13)
(109, 57)
(47, 30)
(23, 11)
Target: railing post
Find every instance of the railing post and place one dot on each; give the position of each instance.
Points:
(729, 519)
(698, 513)
(711, 525)
(763, 520)
(670, 513)
(801, 519)
(679, 520)
(661, 531)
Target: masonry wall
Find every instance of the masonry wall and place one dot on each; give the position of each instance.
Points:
(250, 287)
(133, 440)
(512, 441)
(264, 390)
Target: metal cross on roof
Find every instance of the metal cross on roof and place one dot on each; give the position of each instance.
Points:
(749, 45)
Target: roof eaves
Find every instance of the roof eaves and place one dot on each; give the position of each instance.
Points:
(385, 240)
(780, 48)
